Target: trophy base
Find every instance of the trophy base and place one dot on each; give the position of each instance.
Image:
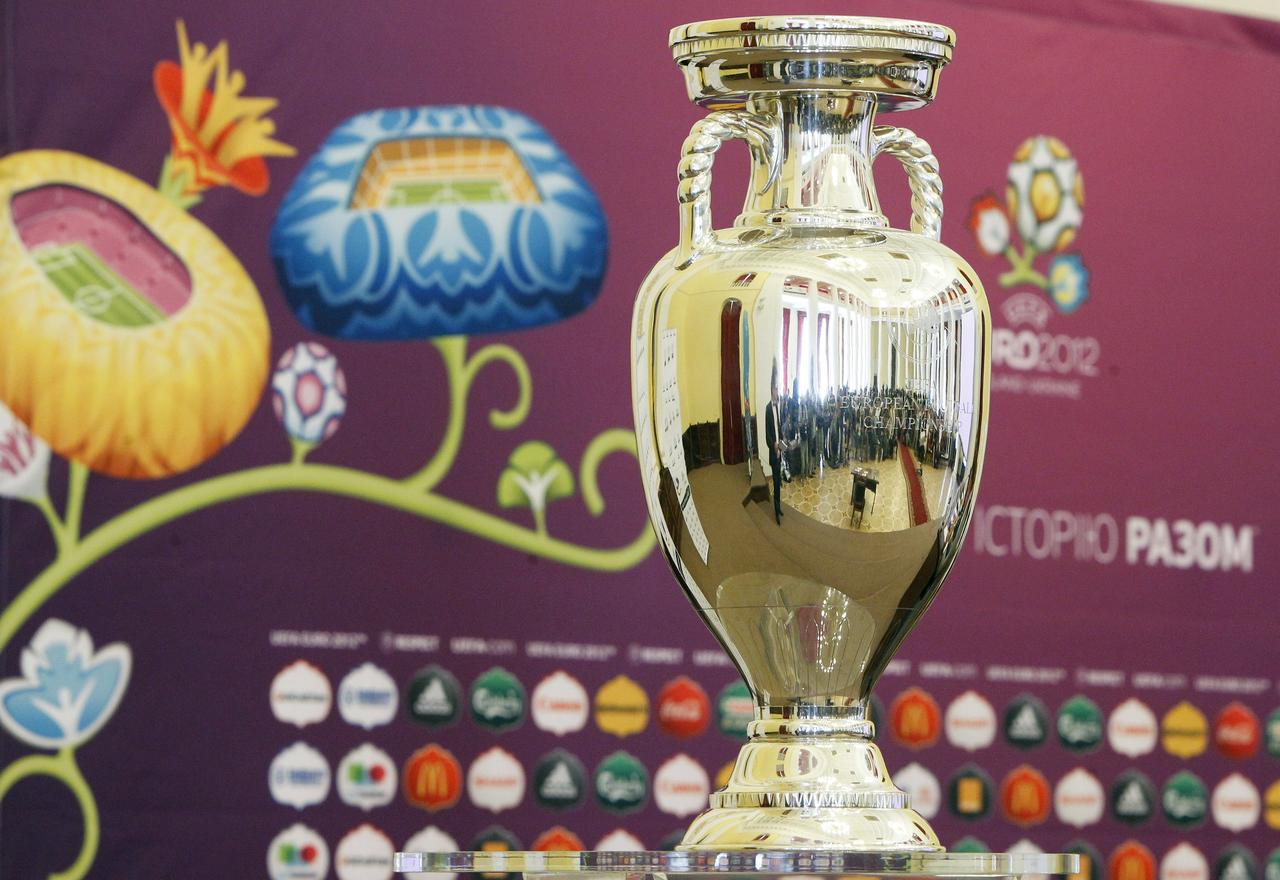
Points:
(820, 792)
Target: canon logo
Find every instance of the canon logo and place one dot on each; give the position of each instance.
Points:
(551, 704)
(682, 788)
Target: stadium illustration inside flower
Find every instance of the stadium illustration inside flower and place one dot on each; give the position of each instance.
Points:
(99, 256)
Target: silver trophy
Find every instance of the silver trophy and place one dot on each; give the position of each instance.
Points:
(810, 391)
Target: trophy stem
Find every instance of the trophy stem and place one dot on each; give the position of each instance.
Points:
(810, 777)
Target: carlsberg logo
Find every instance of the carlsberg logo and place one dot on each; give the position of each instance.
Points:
(620, 788)
(1184, 805)
(492, 706)
(1079, 730)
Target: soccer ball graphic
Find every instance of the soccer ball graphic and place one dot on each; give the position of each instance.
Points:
(1045, 193)
(309, 393)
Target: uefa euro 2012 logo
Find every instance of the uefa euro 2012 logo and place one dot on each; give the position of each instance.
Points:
(1044, 205)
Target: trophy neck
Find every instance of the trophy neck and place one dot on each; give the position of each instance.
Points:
(850, 719)
(824, 165)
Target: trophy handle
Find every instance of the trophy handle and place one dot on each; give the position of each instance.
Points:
(917, 158)
(696, 158)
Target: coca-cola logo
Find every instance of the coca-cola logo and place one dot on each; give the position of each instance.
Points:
(683, 708)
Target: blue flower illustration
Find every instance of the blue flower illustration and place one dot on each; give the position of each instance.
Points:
(67, 690)
(1068, 282)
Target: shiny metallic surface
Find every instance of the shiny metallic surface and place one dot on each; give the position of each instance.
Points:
(811, 341)
(897, 61)
(720, 863)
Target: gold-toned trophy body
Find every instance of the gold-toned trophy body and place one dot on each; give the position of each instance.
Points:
(810, 393)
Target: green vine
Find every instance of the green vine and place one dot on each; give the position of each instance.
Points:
(62, 767)
(412, 494)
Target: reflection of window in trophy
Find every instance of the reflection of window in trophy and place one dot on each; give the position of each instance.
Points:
(859, 411)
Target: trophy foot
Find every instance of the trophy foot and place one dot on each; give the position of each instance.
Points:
(807, 793)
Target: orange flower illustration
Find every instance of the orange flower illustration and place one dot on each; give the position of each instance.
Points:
(220, 137)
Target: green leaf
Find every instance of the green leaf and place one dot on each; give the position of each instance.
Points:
(533, 476)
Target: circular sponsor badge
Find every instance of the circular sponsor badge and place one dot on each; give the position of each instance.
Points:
(1272, 870)
(1131, 729)
(1185, 800)
(367, 697)
(559, 704)
(621, 707)
(735, 709)
(559, 780)
(683, 708)
(1272, 736)
(1026, 722)
(432, 778)
(1078, 799)
(1235, 863)
(557, 839)
(1132, 798)
(1184, 731)
(301, 695)
(969, 793)
(1236, 731)
(970, 845)
(914, 719)
(1080, 724)
(1236, 804)
(298, 853)
(921, 787)
(495, 781)
(495, 839)
(364, 854)
(497, 700)
(367, 777)
(428, 840)
(681, 786)
(1271, 809)
(1184, 862)
(1024, 796)
(432, 697)
(1090, 860)
(1131, 861)
(622, 783)
(970, 722)
(299, 776)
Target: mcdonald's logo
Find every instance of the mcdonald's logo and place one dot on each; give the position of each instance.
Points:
(1024, 795)
(915, 719)
(1131, 861)
(432, 778)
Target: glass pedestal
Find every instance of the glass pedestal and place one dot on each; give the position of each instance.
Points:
(593, 865)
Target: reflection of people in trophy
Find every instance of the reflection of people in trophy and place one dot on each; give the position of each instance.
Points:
(773, 438)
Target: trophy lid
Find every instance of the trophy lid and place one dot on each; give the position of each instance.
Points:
(724, 60)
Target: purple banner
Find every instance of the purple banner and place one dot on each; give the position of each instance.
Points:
(322, 536)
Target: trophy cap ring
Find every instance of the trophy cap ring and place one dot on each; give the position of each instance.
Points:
(725, 60)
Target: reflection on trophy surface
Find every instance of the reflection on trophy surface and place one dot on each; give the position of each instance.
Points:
(810, 393)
